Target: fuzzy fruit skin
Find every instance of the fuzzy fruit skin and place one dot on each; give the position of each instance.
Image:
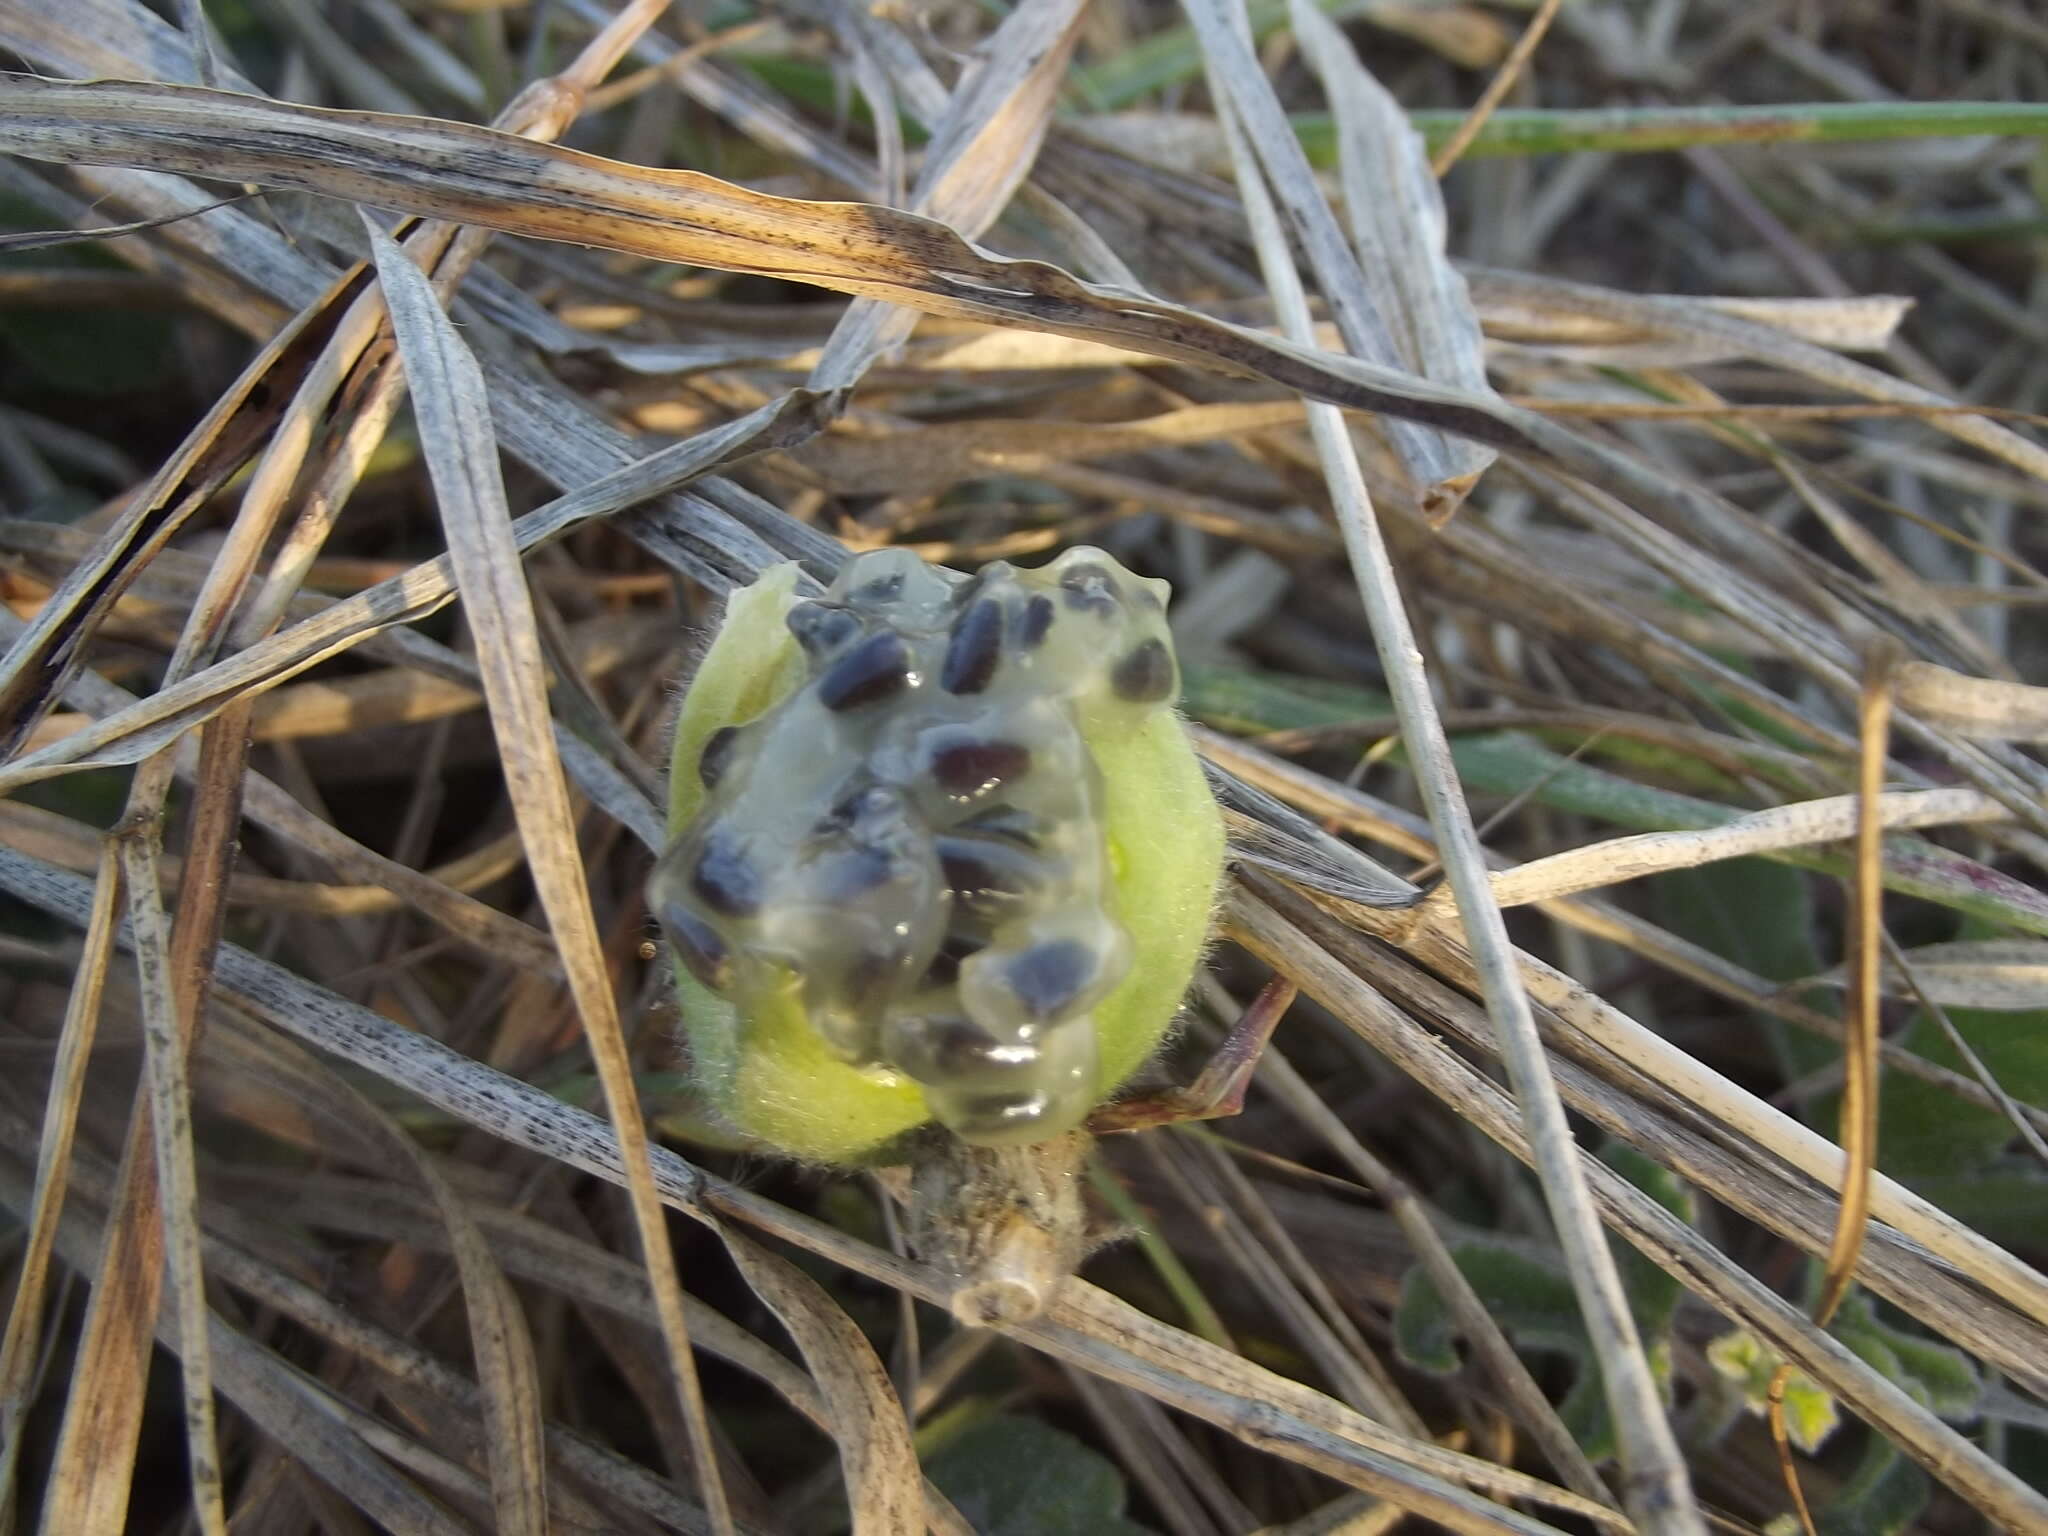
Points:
(764, 1069)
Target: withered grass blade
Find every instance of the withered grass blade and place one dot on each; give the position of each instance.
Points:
(454, 415)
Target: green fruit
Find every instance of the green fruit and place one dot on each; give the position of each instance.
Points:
(955, 861)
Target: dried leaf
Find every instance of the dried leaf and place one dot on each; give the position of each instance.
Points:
(980, 153)
(1394, 206)
(167, 1040)
(453, 412)
(150, 724)
(1973, 706)
(2004, 975)
(42, 659)
(884, 1486)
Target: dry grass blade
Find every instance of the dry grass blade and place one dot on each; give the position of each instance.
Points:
(2019, 1116)
(1497, 88)
(1743, 1114)
(1898, 579)
(53, 1161)
(41, 239)
(1637, 652)
(1666, 1240)
(1525, 1397)
(509, 183)
(154, 1211)
(170, 1114)
(1656, 1487)
(1398, 226)
(1858, 1135)
(449, 400)
(474, 175)
(1999, 974)
(1442, 471)
(1096, 1331)
(884, 1487)
(509, 1395)
(270, 1392)
(40, 660)
(151, 724)
(1086, 1326)
(1805, 824)
(1701, 323)
(1983, 707)
(981, 151)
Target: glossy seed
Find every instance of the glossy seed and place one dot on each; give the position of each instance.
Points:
(848, 874)
(717, 753)
(1088, 588)
(879, 592)
(1047, 977)
(976, 646)
(1145, 675)
(821, 628)
(983, 874)
(697, 945)
(944, 970)
(971, 766)
(1010, 822)
(950, 1048)
(725, 879)
(877, 668)
(1033, 621)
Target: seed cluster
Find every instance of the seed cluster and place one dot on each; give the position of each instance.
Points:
(913, 839)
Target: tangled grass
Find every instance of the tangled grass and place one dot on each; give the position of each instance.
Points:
(1611, 649)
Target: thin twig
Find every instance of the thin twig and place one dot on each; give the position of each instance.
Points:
(1658, 1488)
(1496, 90)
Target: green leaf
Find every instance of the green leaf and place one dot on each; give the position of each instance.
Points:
(1754, 912)
(2007, 1202)
(1652, 1292)
(1013, 1476)
(1760, 915)
(1531, 1297)
(1515, 762)
(98, 351)
(1747, 1361)
(1943, 1379)
(1923, 1131)
(1884, 1495)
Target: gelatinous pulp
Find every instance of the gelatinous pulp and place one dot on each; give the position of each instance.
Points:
(909, 849)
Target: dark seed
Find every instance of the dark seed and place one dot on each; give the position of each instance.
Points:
(950, 1047)
(842, 876)
(1088, 587)
(868, 976)
(1009, 822)
(985, 874)
(961, 1045)
(697, 945)
(717, 753)
(725, 878)
(821, 628)
(971, 767)
(976, 646)
(877, 815)
(1145, 676)
(879, 592)
(1048, 977)
(876, 668)
(1033, 621)
(944, 970)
